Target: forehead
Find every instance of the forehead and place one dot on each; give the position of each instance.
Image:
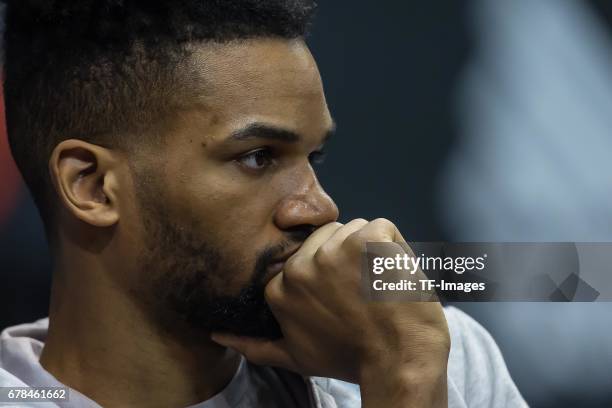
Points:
(259, 79)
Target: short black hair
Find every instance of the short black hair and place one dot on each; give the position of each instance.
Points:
(102, 70)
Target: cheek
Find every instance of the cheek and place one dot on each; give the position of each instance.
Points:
(236, 221)
(239, 207)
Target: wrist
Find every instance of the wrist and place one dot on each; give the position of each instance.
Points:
(415, 384)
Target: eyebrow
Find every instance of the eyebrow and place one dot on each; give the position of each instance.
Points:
(271, 132)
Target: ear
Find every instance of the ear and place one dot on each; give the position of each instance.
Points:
(85, 177)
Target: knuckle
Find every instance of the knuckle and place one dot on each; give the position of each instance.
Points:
(356, 239)
(272, 293)
(360, 221)
(380, 229)
(296, 272)
(292, 264)
(323, 255)
(383, 223)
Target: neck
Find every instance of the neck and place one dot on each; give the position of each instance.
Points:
(104, 346)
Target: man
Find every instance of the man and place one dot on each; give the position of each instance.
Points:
(169, 147)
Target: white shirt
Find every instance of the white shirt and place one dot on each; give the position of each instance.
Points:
(477, 375)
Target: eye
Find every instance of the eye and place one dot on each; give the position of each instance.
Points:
(318, 156)
(257, 159)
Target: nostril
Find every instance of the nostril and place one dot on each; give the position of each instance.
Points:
(299, 233)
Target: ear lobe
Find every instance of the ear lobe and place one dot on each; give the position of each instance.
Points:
(84, 177)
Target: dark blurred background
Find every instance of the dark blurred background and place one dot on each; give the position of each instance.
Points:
(474, 120)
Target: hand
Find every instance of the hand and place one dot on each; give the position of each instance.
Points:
(331, 330)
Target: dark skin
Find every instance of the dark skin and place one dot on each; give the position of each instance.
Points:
(240, 165)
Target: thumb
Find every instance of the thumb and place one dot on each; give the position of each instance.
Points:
(258, 351)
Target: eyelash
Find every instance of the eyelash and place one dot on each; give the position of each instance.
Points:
(266, 153)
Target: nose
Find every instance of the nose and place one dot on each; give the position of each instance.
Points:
(309, 206)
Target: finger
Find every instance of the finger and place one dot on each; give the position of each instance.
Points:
(342, 233)
(258, 351)
(317, 238)
(382, 229)
(274, 292)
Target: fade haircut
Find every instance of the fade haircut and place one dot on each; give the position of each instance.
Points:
(106, 71)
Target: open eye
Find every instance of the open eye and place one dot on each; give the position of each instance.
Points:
(257, 159)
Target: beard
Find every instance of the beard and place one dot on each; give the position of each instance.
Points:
(187, 274)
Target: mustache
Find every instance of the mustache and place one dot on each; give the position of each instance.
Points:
(294, 236)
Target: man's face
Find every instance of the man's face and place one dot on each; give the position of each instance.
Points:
(233, 193)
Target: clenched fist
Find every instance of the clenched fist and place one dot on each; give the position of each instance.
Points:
(396, 351)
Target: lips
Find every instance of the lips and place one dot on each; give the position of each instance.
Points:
(276, 267)
(286, 256)
(277, 264)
